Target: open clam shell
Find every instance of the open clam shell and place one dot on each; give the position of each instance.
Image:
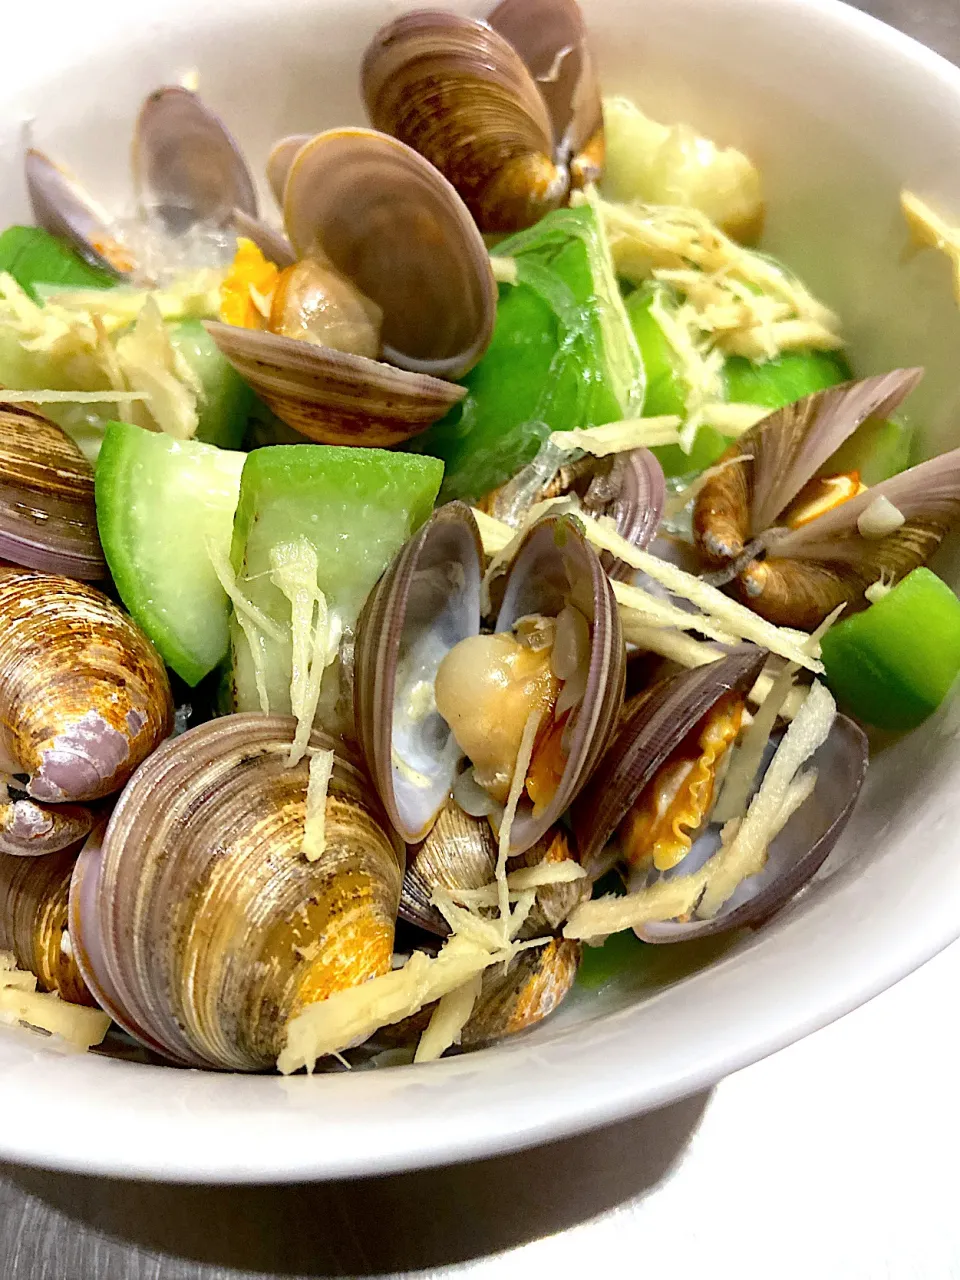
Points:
(395, 227)
(84, 696)
(211, 928)
(63, 207)
(48, 517)
(551, 38)
(424, 605)
(333, 397)
(797, 576)
(33, 921)
(187, 168)
(653, 725)
(553, 567)
(459, 93)
(271, 242)
(796, 854)
(534, 985)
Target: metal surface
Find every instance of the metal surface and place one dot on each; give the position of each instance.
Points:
(845, 1133)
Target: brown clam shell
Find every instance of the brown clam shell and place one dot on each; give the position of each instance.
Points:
(279, 161)
(211, 926)
(653, 725)
(554, 902)
(186, 166)
(332, 397)
(551, 38)
(393, 226)
(459, 93)
(48, 517)
(28, 829)
(83, 695)
(534, 985)
(426, 602)
(33, 921)
(459, 852)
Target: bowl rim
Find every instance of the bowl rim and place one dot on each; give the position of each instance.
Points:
(112, 1137)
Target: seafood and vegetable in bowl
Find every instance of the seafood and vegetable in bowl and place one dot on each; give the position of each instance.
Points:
(478, 569)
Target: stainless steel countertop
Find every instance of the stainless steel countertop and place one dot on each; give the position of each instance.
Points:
(833, 1123)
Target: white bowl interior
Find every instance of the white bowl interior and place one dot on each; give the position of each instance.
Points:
(839, 112)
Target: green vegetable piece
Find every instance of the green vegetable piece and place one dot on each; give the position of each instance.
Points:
(878, 450)
(790, 377)
(356, 508)
(892, 665)
(562, 356)
(226, 400)
(601, 965)
(159, 502)
(33, 256)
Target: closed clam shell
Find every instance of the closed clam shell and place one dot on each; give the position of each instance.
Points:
(212, 927)
(48, 517)
(424, 605)
(795, 855)
(83, 695)
(554, 902)
(396, 228)
(331, 396)
(534, 985)
(456, 91)
(187, 168)
(459, 852)
(63, 207)
(551, 38)
(654, 724)
(553, 567)
(33, 921)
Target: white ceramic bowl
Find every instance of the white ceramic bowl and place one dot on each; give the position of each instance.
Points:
(840, 112)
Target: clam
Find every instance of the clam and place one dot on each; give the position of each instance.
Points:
(654, 791)
(187, 169)
(794, 856)
(62, 206)
(423, 606)
(431, 689)
(628, 488)
(534, 984)
(394, 242)
(464, 94)
(551, 38)
(280, 160)
(83, 695)
(654, 724)
(33, 921)
(29, 829)
(201, 925)
(186, 166)
(460, 852)
(796, 544)
(48, 518)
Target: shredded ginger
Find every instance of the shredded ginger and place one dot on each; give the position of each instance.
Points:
(315, 631)
(318, 784)
(21, 1003)
(734, 300)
